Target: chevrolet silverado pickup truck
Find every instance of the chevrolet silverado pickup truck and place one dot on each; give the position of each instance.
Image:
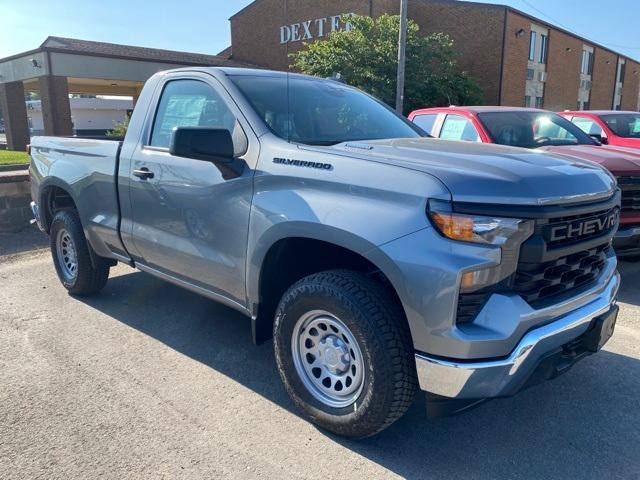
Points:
(546, 131)
(379, 260)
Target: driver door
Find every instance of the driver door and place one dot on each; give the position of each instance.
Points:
(190, 217)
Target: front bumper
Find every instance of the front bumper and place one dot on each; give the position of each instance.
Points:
(627, 241)
(482, 379)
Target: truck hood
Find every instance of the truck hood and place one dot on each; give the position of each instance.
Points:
(483, 173)
(619, 161)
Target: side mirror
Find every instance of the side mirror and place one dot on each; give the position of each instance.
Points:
(599, 138)
(202, 143)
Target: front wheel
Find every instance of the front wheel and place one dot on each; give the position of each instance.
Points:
(72, 258)
(344, 352)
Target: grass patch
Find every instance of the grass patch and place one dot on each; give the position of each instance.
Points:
(11, 157)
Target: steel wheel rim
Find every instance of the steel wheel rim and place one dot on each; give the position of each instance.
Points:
(327, 358)
(67, 255)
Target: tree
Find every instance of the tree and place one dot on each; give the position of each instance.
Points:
(366, 57)
(119, 129)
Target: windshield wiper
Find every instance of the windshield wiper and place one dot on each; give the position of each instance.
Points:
(324, 143)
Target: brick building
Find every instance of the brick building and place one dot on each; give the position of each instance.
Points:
(518, 59)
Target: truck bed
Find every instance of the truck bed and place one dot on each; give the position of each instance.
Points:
(89, 168)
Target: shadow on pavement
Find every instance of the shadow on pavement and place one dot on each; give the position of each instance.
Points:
(585, 424)
(23, 241)
(630, 287)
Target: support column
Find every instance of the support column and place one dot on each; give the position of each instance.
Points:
(14, 111)
(56, 112)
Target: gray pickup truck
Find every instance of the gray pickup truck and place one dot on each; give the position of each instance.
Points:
(379, 260)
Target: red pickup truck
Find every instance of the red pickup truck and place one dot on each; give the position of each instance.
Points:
(620, 129)
(543, 130)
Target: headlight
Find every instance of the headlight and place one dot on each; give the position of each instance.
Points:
(477, 229)
(504, 233)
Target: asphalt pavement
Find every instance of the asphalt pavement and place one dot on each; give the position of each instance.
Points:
(148, 380)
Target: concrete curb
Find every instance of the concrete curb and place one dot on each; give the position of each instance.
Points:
(15, 195)
(14, 168)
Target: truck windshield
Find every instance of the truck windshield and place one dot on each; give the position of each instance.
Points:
(320, 112)
(531, 129)
(625, 125)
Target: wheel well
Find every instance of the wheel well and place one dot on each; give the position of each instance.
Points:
(54, 199)
(292, 259)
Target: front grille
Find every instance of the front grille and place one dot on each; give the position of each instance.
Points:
(545, 227)
(567, 251)
(469, 305)
(537, 282)
(630, 187)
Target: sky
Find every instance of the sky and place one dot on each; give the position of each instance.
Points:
(202, 25)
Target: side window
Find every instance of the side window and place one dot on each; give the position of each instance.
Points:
(587, 126)
(188, 103)
(426, 122)
(456, 127)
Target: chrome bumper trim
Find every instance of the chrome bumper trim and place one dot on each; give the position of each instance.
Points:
(627, 232)
(35, 211)
(495, 378)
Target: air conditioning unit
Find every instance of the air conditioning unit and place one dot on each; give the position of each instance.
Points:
(542, 76)
(588, 84)
(531, 73)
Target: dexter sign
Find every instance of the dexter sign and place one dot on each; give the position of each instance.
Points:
(311, 29)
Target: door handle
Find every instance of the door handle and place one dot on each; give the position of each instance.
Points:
(143, 173)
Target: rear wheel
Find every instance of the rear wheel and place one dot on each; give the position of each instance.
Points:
(72, 256)
(344, 352)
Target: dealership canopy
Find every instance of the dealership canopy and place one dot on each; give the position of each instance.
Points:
(63, 66)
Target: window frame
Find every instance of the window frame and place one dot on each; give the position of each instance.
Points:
(247, 129)
(146, 145)
(544, 48)
(470, 121)
(532, 45)
(435, 116)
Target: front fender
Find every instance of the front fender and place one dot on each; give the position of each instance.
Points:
(296, 229)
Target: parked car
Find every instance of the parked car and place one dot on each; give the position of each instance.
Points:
(549, 132)
(380, 260)
(616, 128)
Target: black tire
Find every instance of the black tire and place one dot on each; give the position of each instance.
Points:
(90, 277)
(377, 322)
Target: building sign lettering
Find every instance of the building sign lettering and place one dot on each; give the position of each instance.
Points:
(310, 29)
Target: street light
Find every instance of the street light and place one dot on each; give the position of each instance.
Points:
(402, 44)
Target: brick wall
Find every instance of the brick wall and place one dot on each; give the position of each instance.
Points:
(56, 111)
(604, 77)
(477, 32)
(563, 68)
(631, 86)
(255, 33)
(516, 54)
(15, 115)
(15, 196)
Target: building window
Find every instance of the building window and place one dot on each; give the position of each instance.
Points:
(623, 71)
(539, 102)
(544, 46)
(527, 101)
(532, 46)
(587, 62)
(530, 73)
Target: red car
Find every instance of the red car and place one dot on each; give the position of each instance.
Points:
(620, 129)
(539, 129)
